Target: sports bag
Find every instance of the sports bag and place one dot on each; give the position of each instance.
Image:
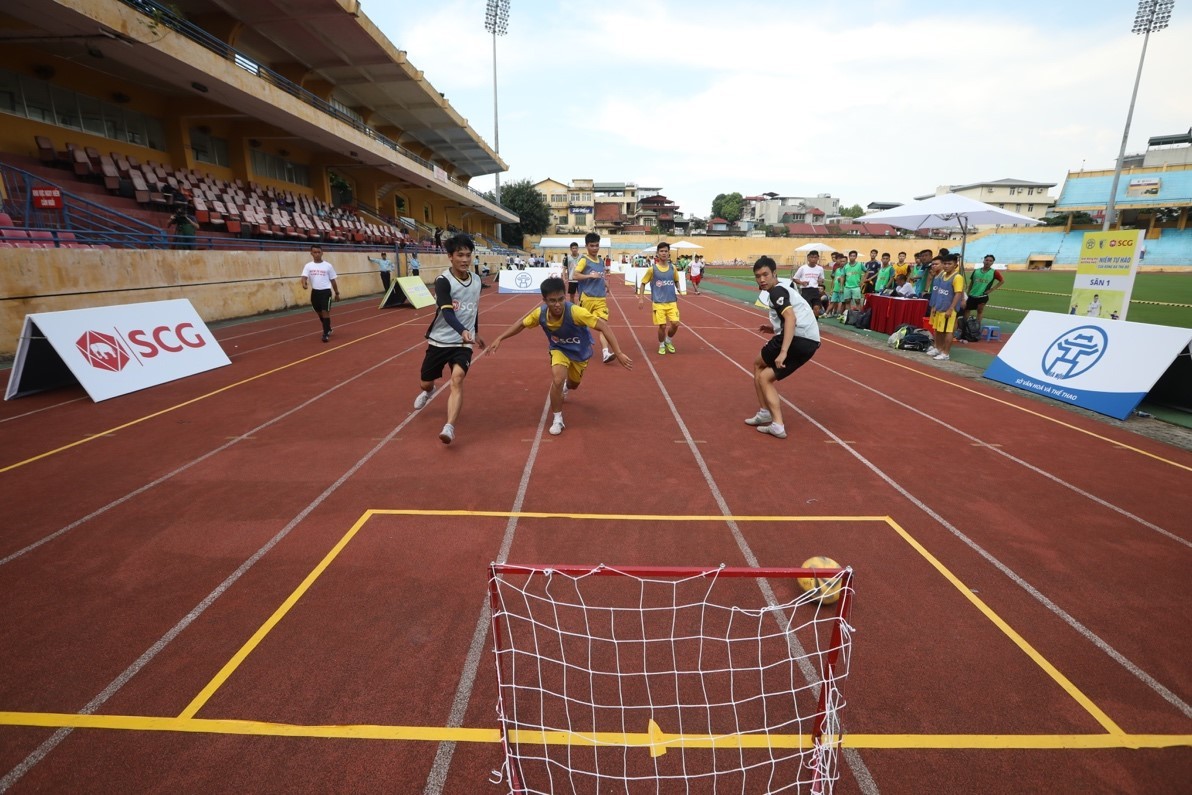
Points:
(915, 340)
(970, 329)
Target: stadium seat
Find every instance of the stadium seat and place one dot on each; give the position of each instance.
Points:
(42, 237)
(6, 220)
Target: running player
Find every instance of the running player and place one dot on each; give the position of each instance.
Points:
(661, 278)
(796, 339)
(453, 331)
(566, 326)
(319, 278)
(590, 274)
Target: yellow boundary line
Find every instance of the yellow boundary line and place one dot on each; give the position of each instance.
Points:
(101, 434)
(435, 734)
(1123, 445)
(1114, 737)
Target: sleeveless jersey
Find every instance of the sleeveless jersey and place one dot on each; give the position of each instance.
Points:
(570, 338)
(662, 289)
(943, 292)
(982, 281)
(465, 300)
(592, 288)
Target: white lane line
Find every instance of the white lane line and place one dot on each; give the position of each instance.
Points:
(1165, 693)
(437, 777)
(43, 408)
(194, 462)
(15, 775)
(995, 448)
(853, 760)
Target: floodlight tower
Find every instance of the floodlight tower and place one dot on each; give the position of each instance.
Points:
(496, 22)
(1152, 17)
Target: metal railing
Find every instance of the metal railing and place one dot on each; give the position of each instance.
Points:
(162, 15)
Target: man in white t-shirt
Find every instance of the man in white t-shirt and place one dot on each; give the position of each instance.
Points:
(695, 272)
(319, 278)
(808, 279)
(1094, 309)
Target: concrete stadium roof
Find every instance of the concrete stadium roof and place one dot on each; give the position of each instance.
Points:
(334, 40)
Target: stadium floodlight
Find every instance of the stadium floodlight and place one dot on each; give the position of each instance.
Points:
(496, 22)
(1152, 17)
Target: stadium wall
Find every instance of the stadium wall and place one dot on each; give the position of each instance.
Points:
(220, 285)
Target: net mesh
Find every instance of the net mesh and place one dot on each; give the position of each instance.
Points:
(715, 680)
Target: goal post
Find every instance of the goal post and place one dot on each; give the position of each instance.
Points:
(672, 679)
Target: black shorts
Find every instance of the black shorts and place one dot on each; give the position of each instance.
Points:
(799, 354)
(321, 300)
(975, 301)
(572, 288)
(811, 295)
(437, 358)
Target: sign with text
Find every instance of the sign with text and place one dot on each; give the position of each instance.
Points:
(1105, 274)
(113, 350)
(1106, 366)
(46, 198)
(407, 290)
(1144, 186)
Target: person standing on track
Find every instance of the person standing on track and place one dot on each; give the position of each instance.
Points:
(695, 272)
(453, 331)
(567, 332)
(796, 339)
(319, 277)
(664, 297)
(570, 259)
(590, 274)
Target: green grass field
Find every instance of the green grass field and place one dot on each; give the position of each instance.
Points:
(1050, 291)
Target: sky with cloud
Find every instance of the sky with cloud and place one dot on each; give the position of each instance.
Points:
(872, 100)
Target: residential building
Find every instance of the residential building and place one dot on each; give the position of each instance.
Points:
(584, 205)
(769, 209)
(1016, 195)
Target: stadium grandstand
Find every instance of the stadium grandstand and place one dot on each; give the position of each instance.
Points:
(273, 124)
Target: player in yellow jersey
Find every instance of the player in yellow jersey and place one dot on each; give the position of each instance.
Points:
(664, 295)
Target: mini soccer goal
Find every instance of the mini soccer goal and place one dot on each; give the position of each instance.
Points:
(637, 679)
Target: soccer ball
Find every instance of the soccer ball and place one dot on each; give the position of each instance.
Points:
(826, 591)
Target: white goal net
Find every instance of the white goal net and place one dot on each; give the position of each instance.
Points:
(669, 680)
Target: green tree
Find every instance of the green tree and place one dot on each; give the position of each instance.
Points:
(532, 210)
(699, 223)
(856, 211)
(1078, 219)
(728, 206)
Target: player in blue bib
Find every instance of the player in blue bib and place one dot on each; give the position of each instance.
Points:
(568, 338)
(661, 278)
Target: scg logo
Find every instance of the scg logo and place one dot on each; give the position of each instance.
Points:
(102, 351)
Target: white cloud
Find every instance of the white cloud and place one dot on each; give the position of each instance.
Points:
(877, 100)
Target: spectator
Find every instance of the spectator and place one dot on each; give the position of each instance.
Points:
(947, 293)
(982, 282)
(871, 269)
(413, 263)
(385, 267)
(183, 229)
(853, 273)
(808, 279)
(885, 276)
(903, 288)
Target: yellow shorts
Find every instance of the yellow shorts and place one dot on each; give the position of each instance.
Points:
(597, 306)
(942, 321)
(575, 370)
(666, 313)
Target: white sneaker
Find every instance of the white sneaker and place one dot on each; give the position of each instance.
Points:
(557, 427)
(932, 351)
(773, 430)
(422, 399)
(447, 435)
(943, 357)
(608, 356)
(762, 418)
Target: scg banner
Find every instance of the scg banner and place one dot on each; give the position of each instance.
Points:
(1105, 274)
(1107, 366)
(113, 350)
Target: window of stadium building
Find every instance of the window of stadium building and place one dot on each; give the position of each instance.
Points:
(274, 167)
(209, 149)
(36, 99)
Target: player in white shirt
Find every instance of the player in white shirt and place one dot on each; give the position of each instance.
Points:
(808, 279)
(319, 278)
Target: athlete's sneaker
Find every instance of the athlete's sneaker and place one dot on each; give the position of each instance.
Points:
(773, 430)
(557, 427)
(762, 418)
(326, 336)
(447, 435)
(608, 356)
(932, 351)
(943, 357)
(422, 399)
(662, 348)
(670, 347)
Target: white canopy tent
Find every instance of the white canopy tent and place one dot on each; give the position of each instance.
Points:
(565, 242)
(947, 211)
(822, 248)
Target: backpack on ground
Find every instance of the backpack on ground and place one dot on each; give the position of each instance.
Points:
(859, 318)
(915, 340)
(899, 333)
(970, 329)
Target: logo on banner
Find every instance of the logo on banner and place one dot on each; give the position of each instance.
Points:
(102, 351)
(523, 280)
(1075, 351)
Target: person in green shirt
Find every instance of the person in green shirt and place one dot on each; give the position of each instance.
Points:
(834, 283)
(982, 282)
(854, 274)
(885, 276)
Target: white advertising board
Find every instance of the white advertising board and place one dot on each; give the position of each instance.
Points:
(113, 350)
(528, 281)
(1106, 366)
